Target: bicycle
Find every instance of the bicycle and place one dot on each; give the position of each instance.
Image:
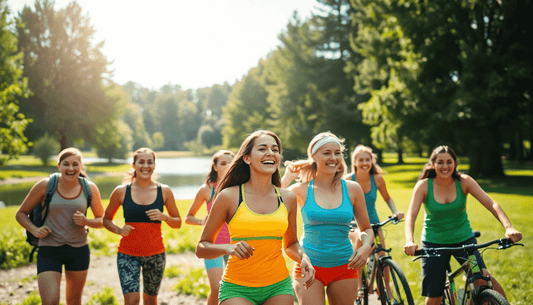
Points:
(392, 286)
(483, 294)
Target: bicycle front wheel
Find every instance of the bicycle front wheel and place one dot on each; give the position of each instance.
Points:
(491, 297)
(393, 285)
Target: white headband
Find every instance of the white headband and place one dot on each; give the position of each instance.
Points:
(324, 140)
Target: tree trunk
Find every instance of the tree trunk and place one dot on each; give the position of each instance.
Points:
(519, 154)
(400, 156)
(485, 153)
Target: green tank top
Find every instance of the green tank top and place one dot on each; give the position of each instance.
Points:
(446, 223)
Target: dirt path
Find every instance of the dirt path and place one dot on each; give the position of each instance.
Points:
(16, 284)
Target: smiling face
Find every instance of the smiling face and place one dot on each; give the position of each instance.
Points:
(444, 165)
(363, 162)
(265, 155)
(144, 165)
(222, 163)
(328, 158)
(70, 167)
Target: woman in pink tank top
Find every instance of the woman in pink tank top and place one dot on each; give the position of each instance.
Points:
(214, 267)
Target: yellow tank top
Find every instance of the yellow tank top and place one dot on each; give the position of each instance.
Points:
(264, 232)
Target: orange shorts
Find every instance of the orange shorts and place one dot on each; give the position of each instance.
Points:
(329, 275)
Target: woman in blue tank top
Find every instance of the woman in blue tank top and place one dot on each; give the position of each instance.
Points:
(328, 205)
(369, 175)
(443, 190)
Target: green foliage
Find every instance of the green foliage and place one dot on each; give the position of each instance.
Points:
(195, 282)
(195, 146)
(66, 73)
(45, 147)
(158, 140)
(32, 300)
(113, 140)
(14, 250)
(105, 297)
(13, 86)
(173, 271)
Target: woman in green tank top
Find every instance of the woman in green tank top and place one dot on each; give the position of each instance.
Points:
(443, 191)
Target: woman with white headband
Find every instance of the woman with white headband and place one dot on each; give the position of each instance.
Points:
(328, 204)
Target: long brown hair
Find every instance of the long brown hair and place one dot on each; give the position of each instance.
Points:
(375, 169)
(238, 171)
(429, 171)
(72, 151)
(212, 176)
(131, 175)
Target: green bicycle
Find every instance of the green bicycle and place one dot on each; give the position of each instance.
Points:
(483, 294)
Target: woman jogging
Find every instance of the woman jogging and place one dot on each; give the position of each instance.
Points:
(328, 205)
(213, 267)
(141, 246)
(260, 216)
(63, 237)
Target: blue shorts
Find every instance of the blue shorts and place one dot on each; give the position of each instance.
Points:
(50, 258)
(218, 262)
(434, 268)
(129, 271)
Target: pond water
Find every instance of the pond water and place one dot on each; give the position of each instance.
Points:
(183, 175)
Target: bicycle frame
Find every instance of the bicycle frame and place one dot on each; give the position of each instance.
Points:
(471, 268)
(376, 248)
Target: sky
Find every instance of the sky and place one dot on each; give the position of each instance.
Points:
(192, 43)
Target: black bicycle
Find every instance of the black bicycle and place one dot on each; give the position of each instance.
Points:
(392, 286)
(471, 294)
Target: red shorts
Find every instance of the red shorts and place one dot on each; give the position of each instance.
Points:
(328, 275)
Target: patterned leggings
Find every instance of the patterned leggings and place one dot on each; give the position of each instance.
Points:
(129, 270)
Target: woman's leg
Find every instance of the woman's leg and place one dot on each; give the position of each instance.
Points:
(129, 270)
(314, 295)
(153, 268)
(49, 287)
(282, 299)
(341, 292)
(214, 275)
(74, 287)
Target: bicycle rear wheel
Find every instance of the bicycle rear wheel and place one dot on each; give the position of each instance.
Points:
(491, 297)
(399, 291)
(364, 280)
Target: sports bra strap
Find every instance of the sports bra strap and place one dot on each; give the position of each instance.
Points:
(241, 196)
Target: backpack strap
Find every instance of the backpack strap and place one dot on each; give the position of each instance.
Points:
(86, 190)
(50, 190)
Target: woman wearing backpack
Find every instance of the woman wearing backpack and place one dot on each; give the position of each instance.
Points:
(63, 237)
(141, 246)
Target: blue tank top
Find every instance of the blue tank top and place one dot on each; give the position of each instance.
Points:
(325, 237)
(370, 199)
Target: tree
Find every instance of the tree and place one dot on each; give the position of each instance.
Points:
(13, 86)
(475, 74)
(247, 109)
(66, 73)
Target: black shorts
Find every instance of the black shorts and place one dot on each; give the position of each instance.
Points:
(434, 268)
(53, 258)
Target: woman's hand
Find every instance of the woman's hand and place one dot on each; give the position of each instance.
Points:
(398, 214)
(156, 214)
(513, 234)
(42, 232)
(359, 257)
(409, 248)
(307, 274)
(125, 230)
(242, 250)
(80, 219)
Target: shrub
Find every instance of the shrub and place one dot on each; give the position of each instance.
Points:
(14, 250)
(46, 147)
(105, 297)
(195, 283)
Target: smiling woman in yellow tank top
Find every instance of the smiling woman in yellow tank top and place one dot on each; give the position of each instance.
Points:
(262, 220)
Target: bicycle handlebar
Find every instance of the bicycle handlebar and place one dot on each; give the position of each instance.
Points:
(376, 226)
(503, 243)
